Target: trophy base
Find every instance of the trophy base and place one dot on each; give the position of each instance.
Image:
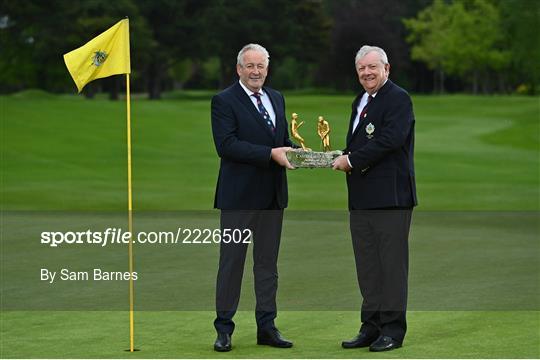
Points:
(312, 159)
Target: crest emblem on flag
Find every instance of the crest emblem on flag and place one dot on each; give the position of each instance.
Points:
(99, 58)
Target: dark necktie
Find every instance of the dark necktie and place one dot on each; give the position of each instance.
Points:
(363, 113)
(264, 112)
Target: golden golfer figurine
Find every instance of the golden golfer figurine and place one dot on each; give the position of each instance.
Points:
(294, 131)
(304, 157)
(323, 129)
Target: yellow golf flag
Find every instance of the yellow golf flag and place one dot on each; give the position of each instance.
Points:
(105, 55)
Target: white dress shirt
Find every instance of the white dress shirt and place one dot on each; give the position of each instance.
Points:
(361, 105)
(264, 99)
(363, 102)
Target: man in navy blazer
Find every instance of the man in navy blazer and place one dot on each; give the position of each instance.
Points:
(381, 186)
(251, 139)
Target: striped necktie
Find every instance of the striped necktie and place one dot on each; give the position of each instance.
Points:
(264, 112)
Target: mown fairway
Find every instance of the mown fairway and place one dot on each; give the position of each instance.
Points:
(474, 244)
(65, 153)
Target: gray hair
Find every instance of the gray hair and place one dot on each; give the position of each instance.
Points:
(366, 49)
(255, 47)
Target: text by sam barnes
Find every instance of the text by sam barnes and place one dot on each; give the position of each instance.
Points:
(95, 275)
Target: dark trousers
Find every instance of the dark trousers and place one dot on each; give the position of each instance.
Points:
(266, 226)
(381, 252)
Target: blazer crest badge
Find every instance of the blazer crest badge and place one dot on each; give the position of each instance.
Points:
(370, 129)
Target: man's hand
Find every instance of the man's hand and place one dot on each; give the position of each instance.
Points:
(279, 156)
(341, 163)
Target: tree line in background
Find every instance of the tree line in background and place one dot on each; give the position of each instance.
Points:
(478, 46)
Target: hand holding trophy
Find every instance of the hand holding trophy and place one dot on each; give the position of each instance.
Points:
(305, 158)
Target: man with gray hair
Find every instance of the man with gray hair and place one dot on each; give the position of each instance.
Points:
(379, 167)
(251, 139)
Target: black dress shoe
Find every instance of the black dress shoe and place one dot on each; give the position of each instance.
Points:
(273, 338)
(359, 341)
(223, 342)
(385, 343)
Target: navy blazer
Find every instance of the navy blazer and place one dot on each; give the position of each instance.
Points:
(382, 151)
(248, 178)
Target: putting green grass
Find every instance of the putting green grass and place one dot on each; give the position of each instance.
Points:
(74, 334)
(475, 257)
